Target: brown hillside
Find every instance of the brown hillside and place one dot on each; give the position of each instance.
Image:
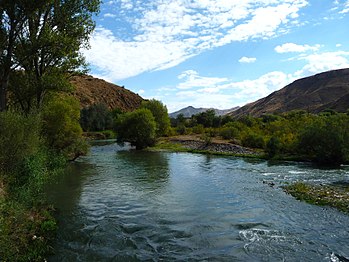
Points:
(328, 90)
(90, 90)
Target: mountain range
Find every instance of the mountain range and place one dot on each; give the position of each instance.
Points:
(328, 90)
(189, 111)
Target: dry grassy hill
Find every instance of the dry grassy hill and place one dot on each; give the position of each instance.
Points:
(90, 90)
(328, 90)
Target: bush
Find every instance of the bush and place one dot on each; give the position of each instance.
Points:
(137, 127)
(181, 130)
(253, 140)
(19, 138)
(273, 147)
(326, 140)
(198, 129)
(229, 132)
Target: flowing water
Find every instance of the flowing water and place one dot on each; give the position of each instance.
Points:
(122, 205)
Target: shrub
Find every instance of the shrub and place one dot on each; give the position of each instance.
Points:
(273, 146)
(181, 130)
(198, 129)
(253, 140)
(19, 138)
(229, 132)
(326, 140)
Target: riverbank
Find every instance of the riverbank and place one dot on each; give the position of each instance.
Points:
(322, 195)
(194, 144)
(26, 228)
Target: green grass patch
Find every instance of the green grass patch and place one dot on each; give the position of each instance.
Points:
(164, 145)
(336, 197)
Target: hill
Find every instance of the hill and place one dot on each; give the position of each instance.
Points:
(189, 111)
(328, 90)
(90, 90)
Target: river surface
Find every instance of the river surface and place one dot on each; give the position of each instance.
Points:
(118, 204)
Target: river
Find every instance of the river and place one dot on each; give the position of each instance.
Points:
(118, 204)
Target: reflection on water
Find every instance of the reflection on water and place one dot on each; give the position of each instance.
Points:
(123, 205)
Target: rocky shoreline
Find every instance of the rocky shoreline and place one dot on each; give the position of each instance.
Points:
(215, 147)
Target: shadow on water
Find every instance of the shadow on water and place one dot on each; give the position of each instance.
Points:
(146, 166)
(65, 192)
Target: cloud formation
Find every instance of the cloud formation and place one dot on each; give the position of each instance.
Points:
(224, 93)
(167, 32)
(247, 60)
(295, 48)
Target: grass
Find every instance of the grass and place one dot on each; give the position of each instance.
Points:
(332, 196)
(25, 232)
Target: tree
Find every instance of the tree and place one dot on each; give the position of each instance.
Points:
(96, 118)
(43, 39)
(61, 126)
(12, 17)
(160, 114)
(137, 127)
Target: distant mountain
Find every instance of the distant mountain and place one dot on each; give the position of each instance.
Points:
(328, 90)
(189, 111)
(90, 90)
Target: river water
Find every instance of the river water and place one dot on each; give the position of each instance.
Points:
(118, 204)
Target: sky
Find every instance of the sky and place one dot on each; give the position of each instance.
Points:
(216, 53)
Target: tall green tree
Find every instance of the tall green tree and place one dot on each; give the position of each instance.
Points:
(43, 38)
(137, 127)
(159, 111)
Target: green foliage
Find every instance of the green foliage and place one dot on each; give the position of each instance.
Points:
(273, 146)
(206, 118)
(19, 138)
(198, 129)
(253, 140)
(160, 114)
(43, 39)
(96, 118)
(181, 130)
(326, 140)
(137, 127)
(229, 131)
(61, 126)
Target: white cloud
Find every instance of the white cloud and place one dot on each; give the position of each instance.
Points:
(167, 32)
(193, 80)
(345, 8)
(225, 93)
(338, 45)
(317, 63)
(295, 48)
(109, 15)
(247, 60)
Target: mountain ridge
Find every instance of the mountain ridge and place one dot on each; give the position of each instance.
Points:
(90, 90)
(326, 90)
(190, 110)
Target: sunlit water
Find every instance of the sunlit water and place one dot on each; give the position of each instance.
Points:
(122, 205)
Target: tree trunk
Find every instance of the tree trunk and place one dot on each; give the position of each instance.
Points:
(3, 94)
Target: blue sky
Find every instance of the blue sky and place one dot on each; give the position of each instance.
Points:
(216, 53)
